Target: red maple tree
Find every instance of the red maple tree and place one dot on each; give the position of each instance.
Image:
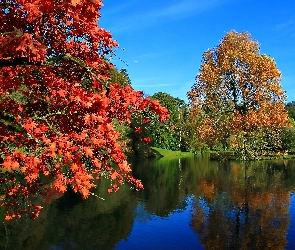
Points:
(56, 103)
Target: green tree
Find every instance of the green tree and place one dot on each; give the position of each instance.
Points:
(169, 135)
(120, 77)
(288, 139)
(190, 139)
(291, 109)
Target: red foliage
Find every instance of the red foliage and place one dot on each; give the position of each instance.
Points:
(56, 107)
(146, 139)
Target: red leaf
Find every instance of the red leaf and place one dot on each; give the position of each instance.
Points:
(75, 2)
(62, 93)
(88, 152)
(87, 119)
(29, 125)
(146, 120)
(138, 130)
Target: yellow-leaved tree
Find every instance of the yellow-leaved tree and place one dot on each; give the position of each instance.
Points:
(239, 97)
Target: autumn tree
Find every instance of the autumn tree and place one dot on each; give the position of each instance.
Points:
(57, 103)
(239, 97)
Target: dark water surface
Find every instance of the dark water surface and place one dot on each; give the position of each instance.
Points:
(189, 203)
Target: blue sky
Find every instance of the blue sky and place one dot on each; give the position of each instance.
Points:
(163, 41)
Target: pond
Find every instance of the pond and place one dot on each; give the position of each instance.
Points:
(188, 203)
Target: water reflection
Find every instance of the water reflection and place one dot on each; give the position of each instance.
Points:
(237, 205)
(162, 191)
(70, 223)
(185, 204)
(244, 206)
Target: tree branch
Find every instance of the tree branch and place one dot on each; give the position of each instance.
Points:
(18, 61)
(25, 61)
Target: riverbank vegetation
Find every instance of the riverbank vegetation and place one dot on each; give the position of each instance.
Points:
(171, 154)
(237, 107)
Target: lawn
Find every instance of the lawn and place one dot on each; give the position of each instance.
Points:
(169, 153)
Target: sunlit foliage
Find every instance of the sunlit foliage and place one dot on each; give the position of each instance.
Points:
(58, 102)
(169, 135)
(239, 96)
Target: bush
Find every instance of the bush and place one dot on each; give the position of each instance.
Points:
(288, 139)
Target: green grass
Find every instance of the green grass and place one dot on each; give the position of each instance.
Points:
(171, 154)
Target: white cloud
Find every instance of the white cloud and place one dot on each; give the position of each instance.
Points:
(287, 24)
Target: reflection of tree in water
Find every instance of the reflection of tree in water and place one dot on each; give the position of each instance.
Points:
(238, 208)
(242, 208)
(161, 185)
(69, 223)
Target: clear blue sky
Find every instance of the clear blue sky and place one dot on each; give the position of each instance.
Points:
(162, 41)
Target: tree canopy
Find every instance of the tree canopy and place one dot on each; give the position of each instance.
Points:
(57, 102)
(291, 109)
(238, 94)
(167, 135)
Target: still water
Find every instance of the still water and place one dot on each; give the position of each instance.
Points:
(188, 203)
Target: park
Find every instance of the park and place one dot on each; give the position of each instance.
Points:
(88, 162)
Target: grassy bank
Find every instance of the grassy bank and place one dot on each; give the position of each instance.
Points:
(169, 153)
(213, 155)
(231, 155)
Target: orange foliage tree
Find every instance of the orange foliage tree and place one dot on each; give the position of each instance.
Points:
(238, 96)
(57, 103)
